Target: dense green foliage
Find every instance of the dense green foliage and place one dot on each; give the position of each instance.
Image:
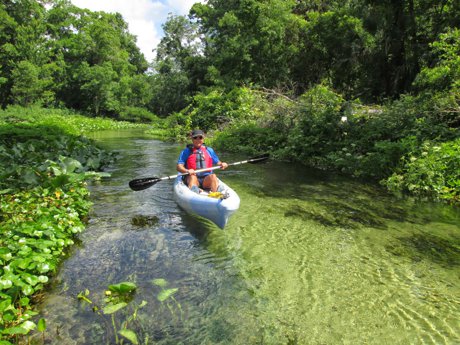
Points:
(68, 56)
(44, 162)
(431, 171)
(284, 71)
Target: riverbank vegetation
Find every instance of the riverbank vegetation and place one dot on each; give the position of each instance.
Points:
(44, 163)
(362, 87)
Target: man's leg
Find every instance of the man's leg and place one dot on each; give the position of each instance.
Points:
(211, 182)
(192, 180)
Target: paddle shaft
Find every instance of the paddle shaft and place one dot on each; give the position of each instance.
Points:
(208, 169)
(144, 183)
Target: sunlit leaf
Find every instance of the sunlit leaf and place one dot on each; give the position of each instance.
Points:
(41, 325)
(110, 309)
(28, 290)
(130, 335)
(165, 294)
(5, 284)
(43, 279)
(160, 282)
(124, 287)
(29, 325)
(15, 330)
(24, 301)
(70, 164)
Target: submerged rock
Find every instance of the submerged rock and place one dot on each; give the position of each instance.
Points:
(142, 221)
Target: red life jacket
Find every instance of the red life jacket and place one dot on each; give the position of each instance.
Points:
(199, 158)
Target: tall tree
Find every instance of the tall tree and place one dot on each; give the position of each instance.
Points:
(22, 38)
(249, 41)
(179, 70)
(95, 45)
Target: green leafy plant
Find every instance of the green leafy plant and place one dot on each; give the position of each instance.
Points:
(118, 305)
(167, 294)
(116, 299)
(44, 165)
(431, 171)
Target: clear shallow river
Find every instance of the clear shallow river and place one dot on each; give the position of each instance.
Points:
(309, 258)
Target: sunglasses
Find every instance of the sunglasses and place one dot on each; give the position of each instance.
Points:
(198, 137)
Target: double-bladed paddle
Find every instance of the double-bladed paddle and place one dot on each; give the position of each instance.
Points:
(144, 183)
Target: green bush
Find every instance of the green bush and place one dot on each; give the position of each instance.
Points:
(249, 139)
(175, 127)
(44, 162)
(136, 114)
(432, 171)
(217, 109)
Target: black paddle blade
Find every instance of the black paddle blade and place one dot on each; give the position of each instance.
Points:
(259, 159)
(143, 183)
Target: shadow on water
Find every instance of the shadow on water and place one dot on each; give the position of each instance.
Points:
(428, 246)
(345, 202)
(339, 202)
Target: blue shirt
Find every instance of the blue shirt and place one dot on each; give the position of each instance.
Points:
(187, 152)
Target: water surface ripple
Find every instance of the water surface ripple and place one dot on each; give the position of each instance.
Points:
(310, 258)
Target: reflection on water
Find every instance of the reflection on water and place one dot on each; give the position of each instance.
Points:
(309, 258)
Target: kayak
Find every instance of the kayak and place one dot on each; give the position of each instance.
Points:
(207, 205)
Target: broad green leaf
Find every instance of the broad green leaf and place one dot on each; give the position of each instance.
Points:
(160, 282)
(41, 325)
(23, 328)
(29, 278)
(24, 301)
(43, 279)
(110, 309)
(130, 335)
(28, 290)
(165, 294)
(5, 284)
(124, 287)
(29, 325)
(70, 164)
(15, 330)
(6, 305)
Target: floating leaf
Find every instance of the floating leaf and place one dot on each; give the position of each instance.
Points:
(122, 288)
(130, 335)
(165, 294)
(41, 325)
(160, 282)
(113, 308)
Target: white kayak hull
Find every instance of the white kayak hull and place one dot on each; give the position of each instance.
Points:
(216, 210)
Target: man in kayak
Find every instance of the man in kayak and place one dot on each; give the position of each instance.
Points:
(197, 156)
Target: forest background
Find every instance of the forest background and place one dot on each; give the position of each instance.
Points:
(368, 88)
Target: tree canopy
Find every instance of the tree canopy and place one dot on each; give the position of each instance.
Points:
(54, 53)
